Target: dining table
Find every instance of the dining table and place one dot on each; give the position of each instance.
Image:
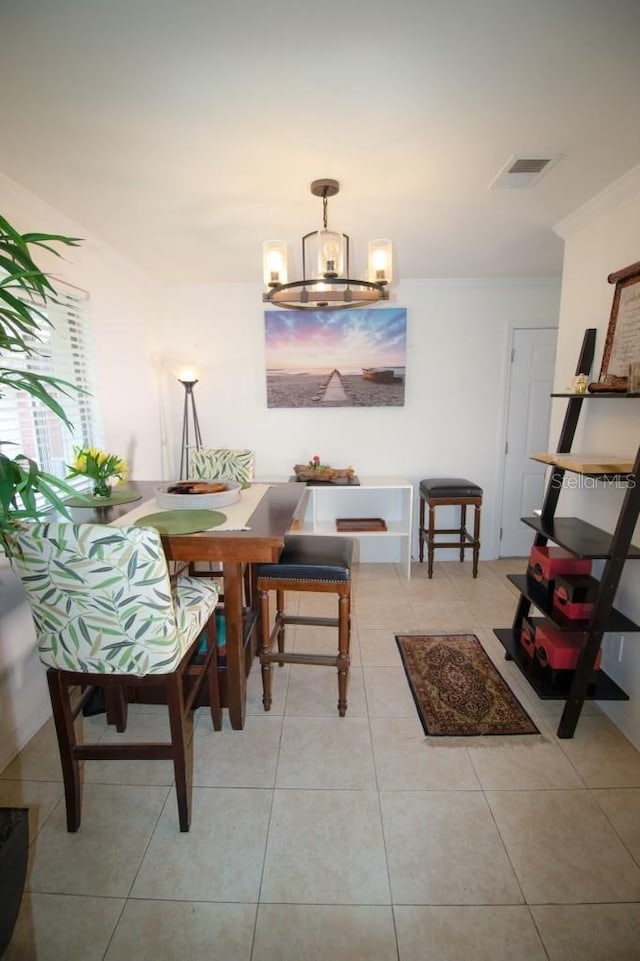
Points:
(260, 540)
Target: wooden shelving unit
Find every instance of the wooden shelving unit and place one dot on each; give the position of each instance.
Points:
(384, 506)
(583, 540)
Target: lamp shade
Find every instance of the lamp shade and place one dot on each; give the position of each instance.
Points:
(274, 262)
(380, 261)
(187, 374)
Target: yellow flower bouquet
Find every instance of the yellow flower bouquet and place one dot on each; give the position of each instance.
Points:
(99, 467)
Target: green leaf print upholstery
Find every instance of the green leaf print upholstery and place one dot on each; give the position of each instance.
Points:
(103, 601)
(211, 462)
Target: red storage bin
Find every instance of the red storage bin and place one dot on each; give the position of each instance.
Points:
(575, 595)
(546, 563)
(528, 636)
(560, 650)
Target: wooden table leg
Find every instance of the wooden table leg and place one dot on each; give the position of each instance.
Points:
(236, 678)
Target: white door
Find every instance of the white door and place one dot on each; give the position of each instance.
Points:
(529, 409)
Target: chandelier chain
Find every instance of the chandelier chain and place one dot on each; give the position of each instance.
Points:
(324, 208)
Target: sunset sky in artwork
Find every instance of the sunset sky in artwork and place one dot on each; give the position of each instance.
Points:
(343, 339)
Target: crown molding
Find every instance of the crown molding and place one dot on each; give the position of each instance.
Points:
(548, 280)
(616, 192)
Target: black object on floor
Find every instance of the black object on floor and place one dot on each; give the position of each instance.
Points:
(95, 703)
(14, 845)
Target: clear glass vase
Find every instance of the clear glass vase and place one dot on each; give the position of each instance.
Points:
(101, 488)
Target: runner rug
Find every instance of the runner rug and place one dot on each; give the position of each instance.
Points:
(456, 688)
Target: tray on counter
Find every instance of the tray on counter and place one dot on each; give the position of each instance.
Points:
(360, 524)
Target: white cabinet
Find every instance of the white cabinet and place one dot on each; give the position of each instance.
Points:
(388, 498)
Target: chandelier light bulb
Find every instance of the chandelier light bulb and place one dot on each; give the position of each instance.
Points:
(274, 261)
(380, 261)
(329, 254)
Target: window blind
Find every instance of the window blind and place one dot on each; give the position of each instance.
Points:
(62, 350)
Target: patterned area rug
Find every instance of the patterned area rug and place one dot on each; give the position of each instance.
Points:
(456, 688)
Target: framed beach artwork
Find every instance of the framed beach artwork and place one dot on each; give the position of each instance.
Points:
(340, 358)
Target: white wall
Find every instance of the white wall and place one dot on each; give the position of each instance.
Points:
(600, 238)
(453, 420)
(122, 311)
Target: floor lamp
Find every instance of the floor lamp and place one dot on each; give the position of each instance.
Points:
(189, 407)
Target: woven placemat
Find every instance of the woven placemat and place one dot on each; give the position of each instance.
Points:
(182, 522)
(123, 495)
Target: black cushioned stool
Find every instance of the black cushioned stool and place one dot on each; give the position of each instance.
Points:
(447, 491)
(307, 563)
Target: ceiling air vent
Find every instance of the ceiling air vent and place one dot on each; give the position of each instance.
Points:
(524, 171)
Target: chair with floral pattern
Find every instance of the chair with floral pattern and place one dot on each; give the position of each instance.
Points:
(108, 615)
(213, 462)
(209, 463)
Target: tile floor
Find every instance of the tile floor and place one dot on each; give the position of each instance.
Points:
(318, 838)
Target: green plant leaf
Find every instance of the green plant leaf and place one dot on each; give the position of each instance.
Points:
(25, 291)
(36, 385)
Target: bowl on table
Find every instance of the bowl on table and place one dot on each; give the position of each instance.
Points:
(198, 494)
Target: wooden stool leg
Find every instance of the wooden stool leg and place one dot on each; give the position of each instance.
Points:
(181, 724)
(63, 719)
(431, 538)
(265, 648)
(421, 531)
(476, 539)
(463, 529)
(279, 618)
(344, 636)
(213, 685)
(248, 584)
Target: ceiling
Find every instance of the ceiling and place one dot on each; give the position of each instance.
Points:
(186, 132)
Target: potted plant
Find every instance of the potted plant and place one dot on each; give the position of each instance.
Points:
(25, 291)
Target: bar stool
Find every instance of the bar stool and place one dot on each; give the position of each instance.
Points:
(444, 492)
(315, 564)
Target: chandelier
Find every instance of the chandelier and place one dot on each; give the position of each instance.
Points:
(325, 279)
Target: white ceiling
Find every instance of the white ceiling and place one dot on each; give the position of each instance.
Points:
(186, 132)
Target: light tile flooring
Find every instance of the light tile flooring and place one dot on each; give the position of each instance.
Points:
(326, 839)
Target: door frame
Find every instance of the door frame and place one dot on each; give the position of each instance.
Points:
(513, 327)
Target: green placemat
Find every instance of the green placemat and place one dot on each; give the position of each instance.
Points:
(182, 522)
(117, 496)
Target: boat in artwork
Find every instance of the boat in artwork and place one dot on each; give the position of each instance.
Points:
(380, 375)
